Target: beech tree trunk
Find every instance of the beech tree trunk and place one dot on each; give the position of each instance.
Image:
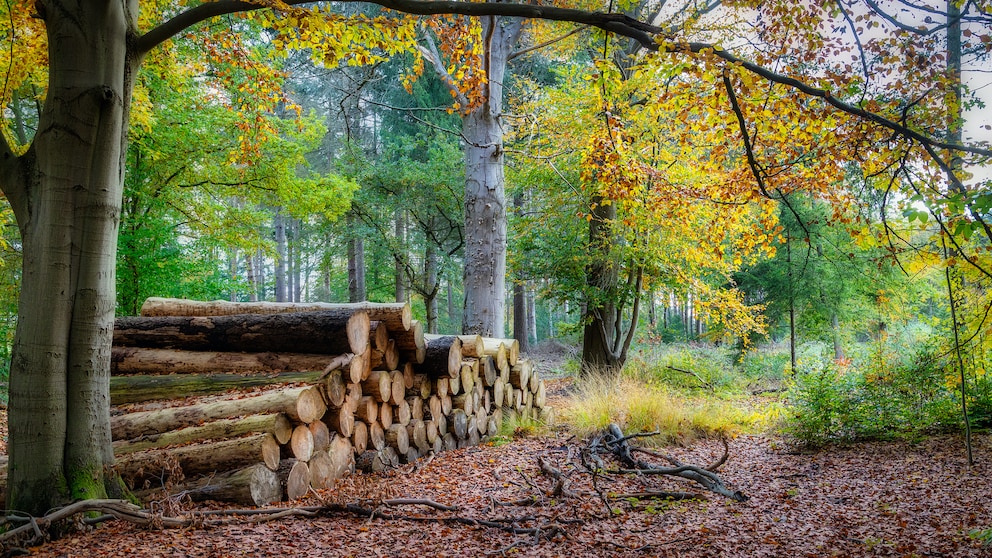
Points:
(66, 193)
(485, 197)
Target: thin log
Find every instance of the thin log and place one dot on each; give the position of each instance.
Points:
(142, 360)
(396, 316)
(310, 406)
(487, 370)
(327, 332)
(377, 436)
(342, 420)
(137, 389)
(278, 424)
(144, 423)
(335, 388)
(360, 437)
(156, 465)
(378, 385)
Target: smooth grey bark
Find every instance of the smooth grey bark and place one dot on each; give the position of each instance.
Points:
(485, 197)
(400, 278)
(279, 225)
(431, 286)
(66, 193)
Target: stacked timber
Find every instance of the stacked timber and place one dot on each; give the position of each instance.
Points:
(295, 396)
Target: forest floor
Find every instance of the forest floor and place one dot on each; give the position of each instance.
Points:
(868, 499)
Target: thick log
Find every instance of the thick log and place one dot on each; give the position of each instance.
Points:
(335, 389)
(342, 420)
(534, 379)
(385, 415)
(398, 438)
(378, 335)
(320, 470)
(360, 437)
(411, 343)
(254, 485)
(379, 385)
(472, 346)
(398, 387)
(367, 410)
(377, 436)
(136, 389)
(277, 424)
(141, 360)
(488, 371)
(342, 455)
(541, 396)
(496, 349)
(443, 357)
(156, 465)
(459, 423)
(298, 481)
(144, 423)
(402, 413)
(421, 386)
(310, 406)
(396, 316)
(328, 332)
(302, 443)
(416, 407)
(321, 436)
(417, 432)
(520, 374)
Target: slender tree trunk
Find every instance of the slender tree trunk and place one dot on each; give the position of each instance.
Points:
(531, 311)
(279, 224)
(356, 264)
(400, 233)
(430, 290)
(66, 195)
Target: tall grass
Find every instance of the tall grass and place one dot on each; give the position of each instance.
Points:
(639, 406)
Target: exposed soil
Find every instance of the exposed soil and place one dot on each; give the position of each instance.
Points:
(872, 499)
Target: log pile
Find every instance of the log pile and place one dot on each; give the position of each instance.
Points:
(335, 387)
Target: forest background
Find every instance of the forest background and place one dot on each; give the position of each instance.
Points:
(781, 240)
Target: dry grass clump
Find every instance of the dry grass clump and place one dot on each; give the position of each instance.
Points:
(637, 406)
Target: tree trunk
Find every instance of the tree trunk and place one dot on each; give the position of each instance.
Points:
(66, 193)
(400, 273)
(356, 264)
(430, 289)
(139, 360)
(485, 198)
(135, 389)
(279, 224)
(600, 332)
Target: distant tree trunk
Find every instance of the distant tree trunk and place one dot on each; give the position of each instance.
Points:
(232, 271)
(260, 274)
(452, 309)
(431, 284)
(792, 301)
(400, 233)
(520, 315)
(356, 263)
(531, 311)
(835, 330)
(279, 224)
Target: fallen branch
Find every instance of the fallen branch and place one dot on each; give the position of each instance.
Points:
(702, 382)
(614, 441)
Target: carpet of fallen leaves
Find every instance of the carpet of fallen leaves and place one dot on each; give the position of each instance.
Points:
(871, 499)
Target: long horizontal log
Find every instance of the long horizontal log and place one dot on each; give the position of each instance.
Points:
(143, 360)
(134, 389)
(254, 485)
(277, 424)
(156, 465)
(144, 423)
(396, 316)
(327, 332)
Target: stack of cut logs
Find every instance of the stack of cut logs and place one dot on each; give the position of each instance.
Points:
(332, 387)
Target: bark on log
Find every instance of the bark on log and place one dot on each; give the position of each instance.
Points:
(144, 423)
(137, 389)
(421, 386)
(459, 423)
(277, 424)
(443, 357)
(254, 485)
(328, 332)
(141, 360)
(154, 466)
(411, 343)
(397, 316)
